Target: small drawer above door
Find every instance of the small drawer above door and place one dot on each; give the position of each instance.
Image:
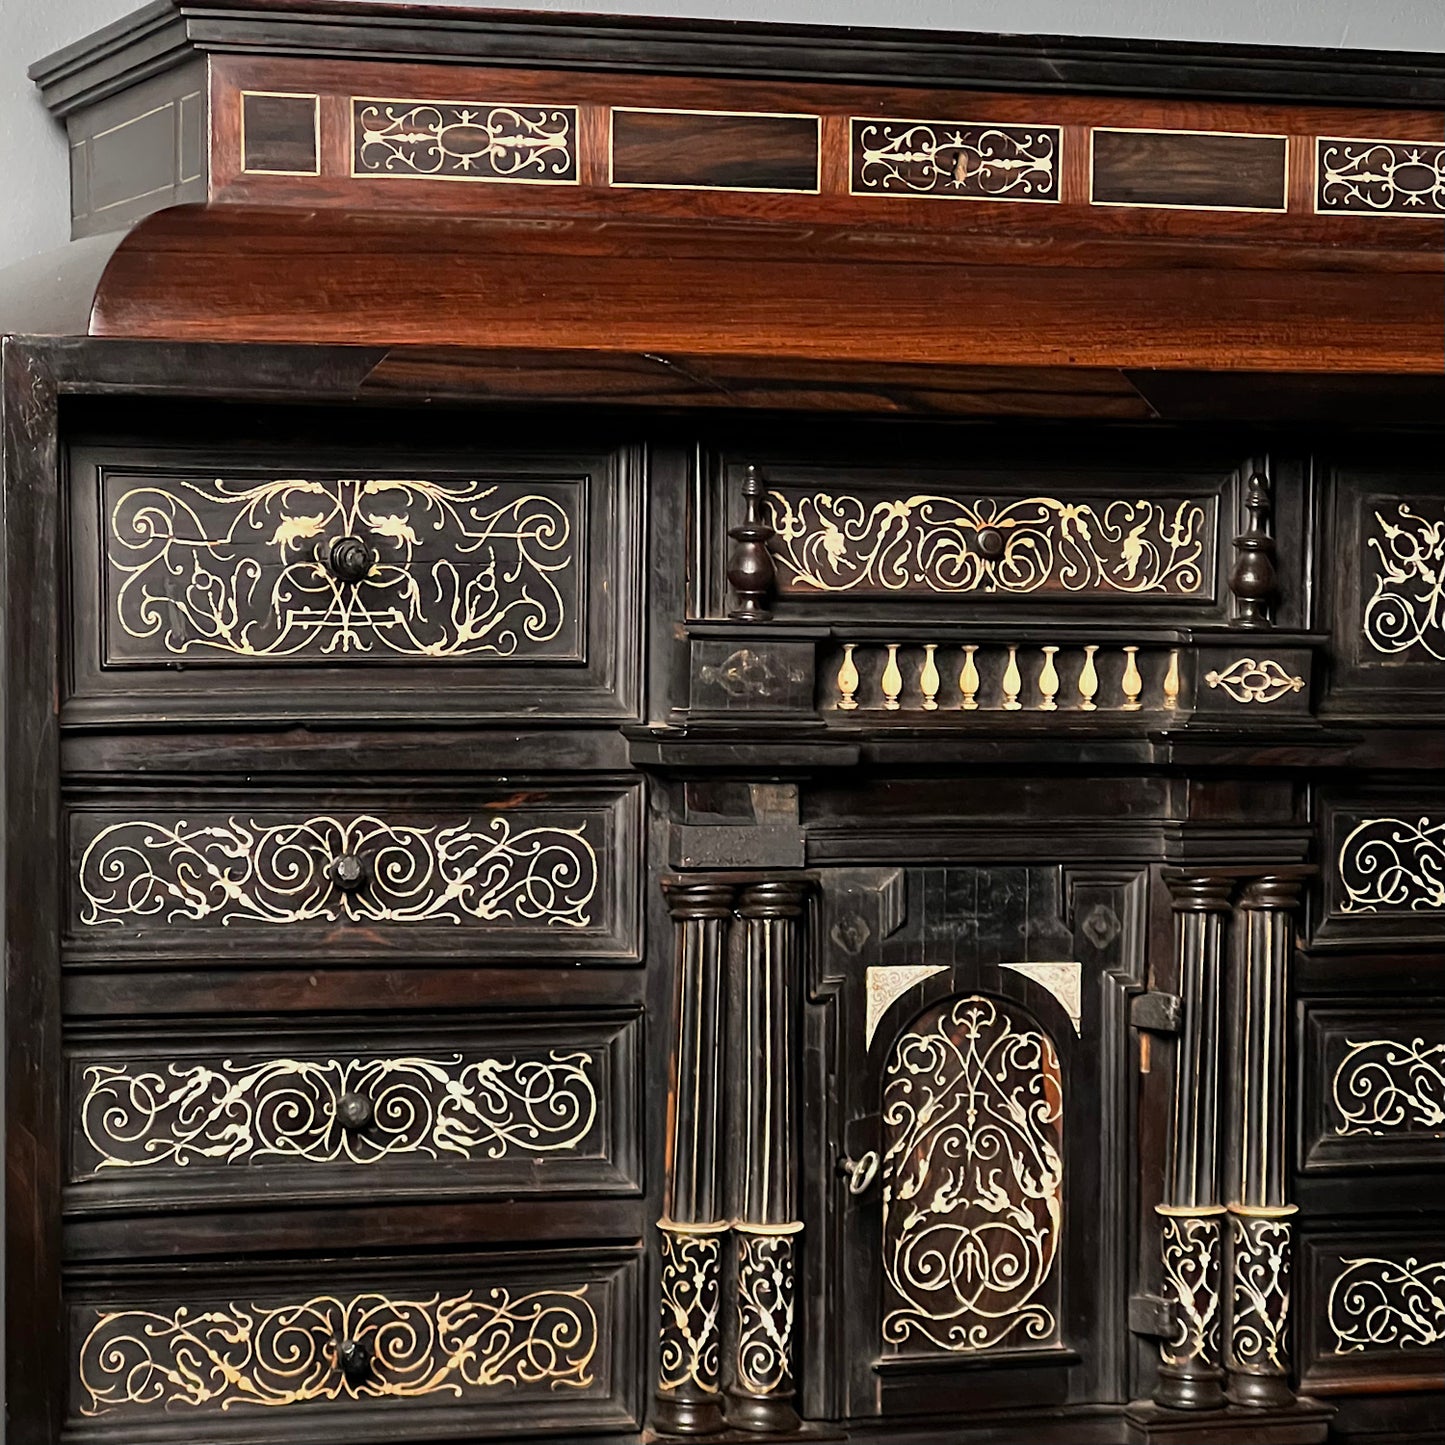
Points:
(211, 587)
(524, 873)
(339, 1110)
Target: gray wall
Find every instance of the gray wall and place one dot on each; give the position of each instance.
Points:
(34, 210)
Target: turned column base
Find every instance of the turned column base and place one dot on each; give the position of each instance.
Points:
(1190, 1387)
(1190, 1376)
(682, 1415)
(1304, 1422)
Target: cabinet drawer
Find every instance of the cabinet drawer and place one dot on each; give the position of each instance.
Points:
(1374, 1086)
(325, 1111)
(515, 873)
(211, 586)
(390, 1350)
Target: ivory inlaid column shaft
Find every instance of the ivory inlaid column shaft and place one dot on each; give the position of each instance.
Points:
(1259, 1228)
(765, 1182)
(694, 1229)
(1190, 1372)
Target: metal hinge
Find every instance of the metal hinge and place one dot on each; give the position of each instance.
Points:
(1153, 1316)
(1157, 1013)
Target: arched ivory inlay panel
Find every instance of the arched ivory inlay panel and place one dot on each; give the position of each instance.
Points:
(240, 1355)
(1063, 980)
(1386, 1304)
(1383, 1087)
(242, 569)
(1393, 865)
(847, 542)
(973, 1118)
(1405, 611)
(233, 869)
(282, 1111)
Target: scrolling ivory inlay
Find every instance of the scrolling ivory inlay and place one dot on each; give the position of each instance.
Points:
(284, 1110)
(1247, 680)
(232, 870)
(973, 1173)
(1393, 865)
(1406, 610)
(1390, 1086)
(1386, 1304)
(235, 568)
(960, 160)
(884, 984)
(464, 141)
(843, 542)
(225, 1355)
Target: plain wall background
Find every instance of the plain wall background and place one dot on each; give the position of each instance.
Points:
(34, 206)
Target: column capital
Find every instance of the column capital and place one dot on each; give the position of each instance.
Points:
(705, 896)
(1192, 892)
(774, 898)
(1271, 893)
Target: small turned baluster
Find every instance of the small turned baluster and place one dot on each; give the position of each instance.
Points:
(1049, 682)
(968, 679)
(750, 570)
(1089, 680)
(1012, 681)
(1133, 683)
(928, 678)
(1171, 682)
(1254, 578)
(892, 679)
(848, 679)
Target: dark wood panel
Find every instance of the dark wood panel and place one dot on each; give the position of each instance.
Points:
(681, 149)
(280, 134)
(1190, 169)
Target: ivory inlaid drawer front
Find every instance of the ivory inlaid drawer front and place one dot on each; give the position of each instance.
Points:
(502, 1345)
(1374, 1086)
(518, 873)
(291, 580)
(278, 1114)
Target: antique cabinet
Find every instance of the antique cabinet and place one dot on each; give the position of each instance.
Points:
(724, 732)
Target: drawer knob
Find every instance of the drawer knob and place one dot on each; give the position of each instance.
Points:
(348, 558)
(353, 1111)
(354, 1357)
(990, 541)
(348, 872)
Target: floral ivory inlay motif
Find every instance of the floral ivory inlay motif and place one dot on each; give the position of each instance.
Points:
(1386, 1304)
(464, 141)
(1393, 864)
(236, 568)
(230, 1355)
(1390, 1086)
(235, 870)
(1407, 607)
(973, 1181)
(842, 543)
(284, 1110)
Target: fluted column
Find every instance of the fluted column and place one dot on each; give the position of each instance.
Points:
(694, 1227)
(1259, 1215)
(765, 1181)
(1190, 1372)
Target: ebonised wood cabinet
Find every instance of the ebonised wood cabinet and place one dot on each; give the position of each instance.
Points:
(563, 887)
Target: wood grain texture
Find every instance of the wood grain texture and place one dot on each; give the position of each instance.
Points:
(1189, 169)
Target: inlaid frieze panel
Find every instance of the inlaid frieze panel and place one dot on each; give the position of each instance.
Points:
(1376, 1309)
(366, 569)
(516, 1341)
(875, 544)
(1380, 177)
(1405, 573)
(520, 1108)
(1374, 1086)
(956, 160)
(1385, 877)
(553, 873)
(482, 140)
(972, 1170)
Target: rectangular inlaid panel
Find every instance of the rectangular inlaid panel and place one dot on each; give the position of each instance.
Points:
(871, 541)
(464, 140)
(1373, 1305)
(280, 134)
(1374, 1086)
(1188, 170)
(1380, 177)
(954, 159)
(1384, 867)
(355, 1350)
(321, 1112)
(519, 871)
(714, 150)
